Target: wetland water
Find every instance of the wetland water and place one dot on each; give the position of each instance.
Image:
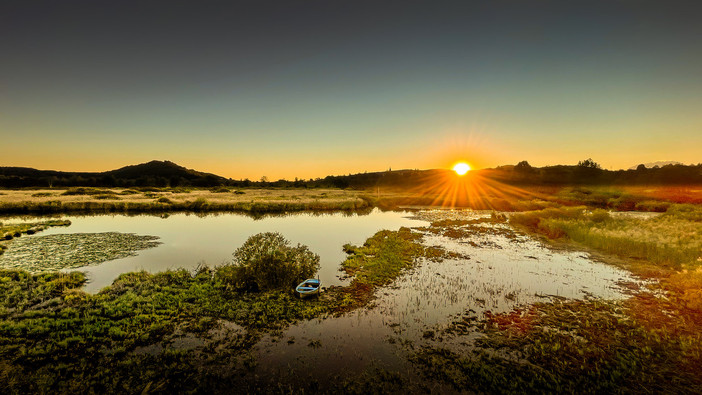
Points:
(188, 240)
(499, 270)
(494, 269)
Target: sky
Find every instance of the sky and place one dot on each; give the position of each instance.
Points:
(306, 89)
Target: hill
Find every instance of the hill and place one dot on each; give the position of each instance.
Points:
(154, 173)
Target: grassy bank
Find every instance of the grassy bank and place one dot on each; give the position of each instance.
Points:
(667, 247)
(98, 200)
(483, 197)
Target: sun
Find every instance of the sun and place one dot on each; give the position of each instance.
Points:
(461, 168)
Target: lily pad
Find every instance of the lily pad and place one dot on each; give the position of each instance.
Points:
(67, 251)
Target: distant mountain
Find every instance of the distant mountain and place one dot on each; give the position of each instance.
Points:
(659, 163)
(154, 173)
(157, 168)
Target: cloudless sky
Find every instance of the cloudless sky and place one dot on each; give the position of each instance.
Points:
(311, 88)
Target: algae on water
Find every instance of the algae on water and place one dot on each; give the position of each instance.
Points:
(68, 251)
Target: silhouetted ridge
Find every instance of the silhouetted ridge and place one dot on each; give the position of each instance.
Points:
(154, 173)
(169, 174)
(157, 168)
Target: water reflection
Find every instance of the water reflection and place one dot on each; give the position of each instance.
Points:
(190, 239)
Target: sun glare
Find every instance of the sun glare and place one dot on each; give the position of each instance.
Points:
(461, 168)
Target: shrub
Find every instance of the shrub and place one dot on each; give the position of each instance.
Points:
(83, 191)
(267, 261)
(106, 196)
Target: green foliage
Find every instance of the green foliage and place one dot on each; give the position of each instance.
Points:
(65, 340)
(267, 261)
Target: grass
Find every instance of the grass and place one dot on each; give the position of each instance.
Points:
(671, 241)
(85, 199)
(102, 200)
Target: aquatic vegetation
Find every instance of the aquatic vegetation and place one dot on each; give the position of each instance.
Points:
(574, 346)
(65, 251)
(383, 256)
(10, 231)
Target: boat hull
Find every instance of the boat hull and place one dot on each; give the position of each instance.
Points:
(308, 288)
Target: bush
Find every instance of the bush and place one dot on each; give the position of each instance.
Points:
(266, 261)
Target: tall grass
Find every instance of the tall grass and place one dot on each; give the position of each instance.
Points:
(672, 240)
(163, 205)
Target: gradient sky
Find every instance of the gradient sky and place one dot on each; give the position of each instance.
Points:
(306, 89)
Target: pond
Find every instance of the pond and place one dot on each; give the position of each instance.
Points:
(189, 240)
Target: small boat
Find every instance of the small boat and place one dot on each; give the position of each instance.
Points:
(309, 287)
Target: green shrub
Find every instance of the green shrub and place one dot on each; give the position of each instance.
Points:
(267, 261)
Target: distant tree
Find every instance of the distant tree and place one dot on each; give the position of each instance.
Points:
(523, 167)
(641, 167)
(589, 163)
